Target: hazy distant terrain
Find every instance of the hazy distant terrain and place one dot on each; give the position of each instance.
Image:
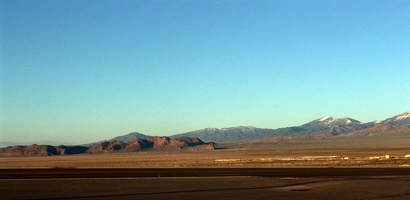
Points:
(329, 152)
(322, 128)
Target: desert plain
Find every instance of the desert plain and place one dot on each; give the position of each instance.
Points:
(360, 152)
(337, 168)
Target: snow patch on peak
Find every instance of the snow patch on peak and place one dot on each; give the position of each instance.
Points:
(403, 116)
(243, 128)
(325, 118)
(332, 121)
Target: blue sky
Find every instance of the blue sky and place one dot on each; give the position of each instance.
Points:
(83, 71)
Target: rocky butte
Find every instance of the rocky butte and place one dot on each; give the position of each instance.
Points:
(149, 143)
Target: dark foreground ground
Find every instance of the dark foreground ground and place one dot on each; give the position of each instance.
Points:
(205, 183)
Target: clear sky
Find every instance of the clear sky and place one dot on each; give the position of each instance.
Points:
(84, 71)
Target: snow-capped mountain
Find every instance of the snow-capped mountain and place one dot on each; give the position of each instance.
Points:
(333, 125)
(239, 133)
(324, 125)
(328, 122)
(402, 119)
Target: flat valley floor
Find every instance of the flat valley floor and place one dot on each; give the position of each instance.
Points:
(289, 170)
(217, 183)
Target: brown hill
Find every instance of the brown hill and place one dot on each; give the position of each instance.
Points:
(150, 143)
(139, 144)
(32, 150)
(153, 143)
(68, 150)
(159, 142)
(189, 143)
(111, 146)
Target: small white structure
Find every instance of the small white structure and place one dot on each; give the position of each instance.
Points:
(374, 158)
(227, 160)
(387, 156)
(407, 156)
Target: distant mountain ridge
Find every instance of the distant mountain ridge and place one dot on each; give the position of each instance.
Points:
(123, 138)
(381, 130)
(402, 119)
(320, 126)
(376, 130)
(335, 126)
(329, 122)
(130, 137)
(238, 134)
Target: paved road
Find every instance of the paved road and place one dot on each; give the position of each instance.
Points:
(276, 183)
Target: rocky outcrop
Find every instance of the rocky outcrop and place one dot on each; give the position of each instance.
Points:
(111, 146)
(153, 143)
(139, 144)
(150, 143)
(68, 150)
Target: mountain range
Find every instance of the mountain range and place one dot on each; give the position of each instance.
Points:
(323, 127)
